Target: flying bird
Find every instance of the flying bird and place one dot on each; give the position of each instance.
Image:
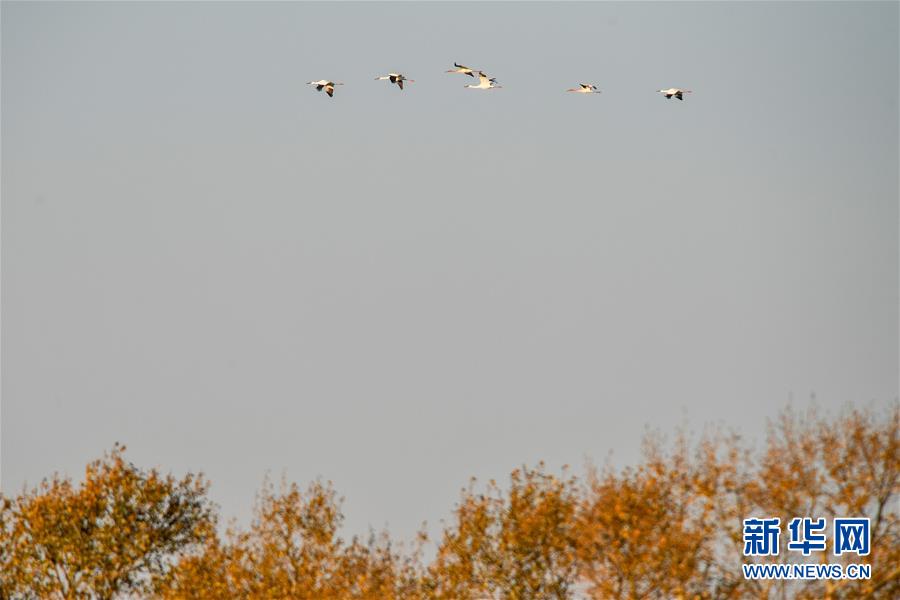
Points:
(484, 82)
(324, 84)
(677, 92)
(397, 78)
(586, 88)
(462, 69)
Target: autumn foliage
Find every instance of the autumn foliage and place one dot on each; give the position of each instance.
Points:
(668, 527)
(292, 550)
(109, 537)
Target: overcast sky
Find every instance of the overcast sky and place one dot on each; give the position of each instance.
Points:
(209, 261)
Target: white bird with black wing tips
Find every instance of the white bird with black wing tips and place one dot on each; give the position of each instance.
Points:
(585, 88)
(324, 84)
(397, 78)
(677, 92)
(484, 82)
(462, 69)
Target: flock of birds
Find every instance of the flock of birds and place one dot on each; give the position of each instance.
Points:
(485, 82)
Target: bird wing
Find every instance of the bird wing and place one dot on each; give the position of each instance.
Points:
(319, 87)
(483, 79)
(459, 66)
(679, 96)
(329, 90)
(400, 83)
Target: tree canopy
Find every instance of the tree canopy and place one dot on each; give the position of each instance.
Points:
(666, 527)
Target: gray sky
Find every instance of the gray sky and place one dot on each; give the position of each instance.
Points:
(207, 260)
